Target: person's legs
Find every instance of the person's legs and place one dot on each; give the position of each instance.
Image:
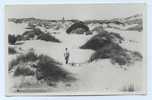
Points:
(67, 60)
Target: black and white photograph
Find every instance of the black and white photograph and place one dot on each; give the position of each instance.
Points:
(75, 49)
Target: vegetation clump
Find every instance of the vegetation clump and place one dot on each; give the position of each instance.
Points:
(78, 28)
(106, 46)
(41, 66)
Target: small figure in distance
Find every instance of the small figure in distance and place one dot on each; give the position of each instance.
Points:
(66, 56)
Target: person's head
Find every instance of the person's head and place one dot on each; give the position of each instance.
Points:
(66, 49)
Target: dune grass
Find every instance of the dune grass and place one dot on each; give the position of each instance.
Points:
(113, 52)
(48, 37)
(129, 88)
(102, 39)
(33, 34)
(24, 58)
(106, 46)
(36, 32)
(40, 66)
(24, 70)
(52, 71)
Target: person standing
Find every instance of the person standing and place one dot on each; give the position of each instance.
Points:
(66, 55)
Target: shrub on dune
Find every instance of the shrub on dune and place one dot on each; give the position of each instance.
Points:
(102, 39)
(28, 35)
(48, 37)
(39, 35)
(106, 46)
(78, 28)
(23, 70)
(11, 50)
(106, 52)
(113, 52)
(42, 66)
(33, 33)
(24, 58)
(19, 38)
(136, 55)
(51, 71)
(116, 54)
(11, 39)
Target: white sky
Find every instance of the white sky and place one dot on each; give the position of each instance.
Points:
(82, 12)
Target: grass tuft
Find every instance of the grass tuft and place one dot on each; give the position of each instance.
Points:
(129, 88)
